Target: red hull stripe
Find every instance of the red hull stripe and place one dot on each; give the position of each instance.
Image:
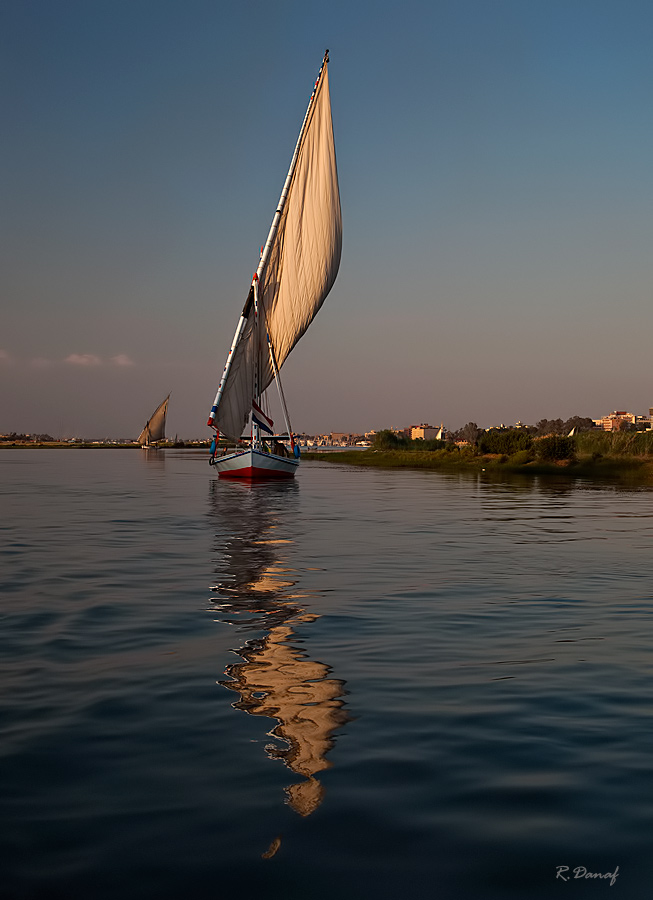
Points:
(251, 472)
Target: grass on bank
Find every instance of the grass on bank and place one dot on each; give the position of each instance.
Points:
(615, 456)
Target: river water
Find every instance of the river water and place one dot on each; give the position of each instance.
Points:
(357, 684)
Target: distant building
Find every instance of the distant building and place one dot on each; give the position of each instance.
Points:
(423, 432)
(612, 422)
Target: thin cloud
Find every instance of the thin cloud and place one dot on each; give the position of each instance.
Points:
(39, 362)
(5, 357)
(121, 360)
(83, 359)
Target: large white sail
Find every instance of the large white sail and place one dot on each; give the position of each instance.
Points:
(296, 272)
(155, 427)
(305, 255)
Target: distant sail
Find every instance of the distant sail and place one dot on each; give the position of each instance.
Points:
(155, 427)
(302, 263)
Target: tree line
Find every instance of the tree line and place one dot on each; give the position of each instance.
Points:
(519, 438)
(471, 432)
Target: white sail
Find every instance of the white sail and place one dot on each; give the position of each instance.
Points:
(236, 400)
(305, 256)
(296, 272)
(155, 427)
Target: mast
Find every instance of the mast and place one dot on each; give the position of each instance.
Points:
(256, 431)
(266, 249)
(239, 330)
(282, 397)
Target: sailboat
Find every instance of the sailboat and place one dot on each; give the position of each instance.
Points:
(297, 268)
(155, 427)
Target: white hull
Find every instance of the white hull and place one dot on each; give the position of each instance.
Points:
(255, 464)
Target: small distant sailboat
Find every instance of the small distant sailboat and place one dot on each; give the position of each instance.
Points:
(155, 427)
(296, 271)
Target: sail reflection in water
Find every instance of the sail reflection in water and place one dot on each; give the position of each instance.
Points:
(258, 592)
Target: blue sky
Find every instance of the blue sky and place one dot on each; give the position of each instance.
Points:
(496, 185)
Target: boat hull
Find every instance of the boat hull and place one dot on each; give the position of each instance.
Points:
(255, 465)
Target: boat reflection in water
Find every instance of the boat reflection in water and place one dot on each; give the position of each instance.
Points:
(257, 591)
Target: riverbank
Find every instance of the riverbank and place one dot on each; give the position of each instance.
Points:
(616, 468)
(94, 445)
(65, 445)
(618, 458)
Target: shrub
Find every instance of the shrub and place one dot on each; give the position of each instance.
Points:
(505, 442)
(521, 457)
(555, 447)
(388, 440)
(429, 445)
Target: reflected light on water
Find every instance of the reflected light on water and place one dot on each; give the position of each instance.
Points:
(257, 591)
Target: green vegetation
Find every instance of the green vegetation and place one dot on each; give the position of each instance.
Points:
(556, 447)
(616, 443)
(390, 440)
(505, 442)
(618, 456)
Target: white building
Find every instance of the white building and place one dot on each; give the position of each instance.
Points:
(423, 432)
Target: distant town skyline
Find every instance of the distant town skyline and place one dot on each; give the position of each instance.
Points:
(609, 421)
(494, 164)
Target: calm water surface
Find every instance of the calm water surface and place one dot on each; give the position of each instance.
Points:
(358, 684)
